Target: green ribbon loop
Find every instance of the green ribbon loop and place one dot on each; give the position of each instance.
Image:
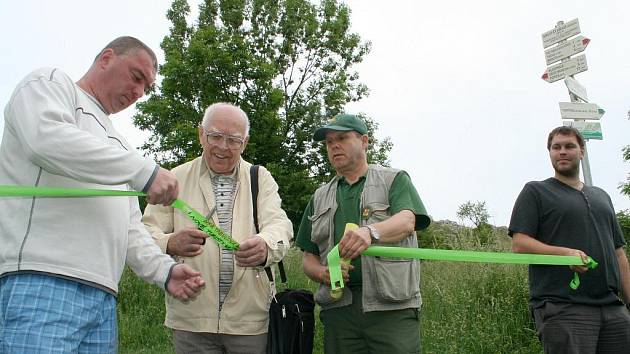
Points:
(336, 278)
(204, 225)
(575, 282)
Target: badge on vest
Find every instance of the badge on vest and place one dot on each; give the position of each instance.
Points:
(366, 213)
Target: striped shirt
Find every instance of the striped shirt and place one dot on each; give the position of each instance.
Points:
(224, 187)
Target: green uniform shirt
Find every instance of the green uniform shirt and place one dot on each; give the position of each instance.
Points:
(402, 196)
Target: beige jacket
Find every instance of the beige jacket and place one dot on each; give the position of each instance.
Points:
(245, 309)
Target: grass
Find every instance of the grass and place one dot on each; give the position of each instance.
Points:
(141, 316)
(467, 308)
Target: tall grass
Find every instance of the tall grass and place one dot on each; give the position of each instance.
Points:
(467, 308)
(476, 308)
(141, 316)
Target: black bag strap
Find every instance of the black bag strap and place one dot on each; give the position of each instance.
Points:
(253, 171)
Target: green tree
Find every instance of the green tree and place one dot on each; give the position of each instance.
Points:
(623, 216)
(288, 63)
(476, 213)
(625, 187)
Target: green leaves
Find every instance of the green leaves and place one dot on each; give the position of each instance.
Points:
(625, 187)
(288, 64)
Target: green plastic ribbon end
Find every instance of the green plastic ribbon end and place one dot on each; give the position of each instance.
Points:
(591, 263)
(334, 268)
(575, 282)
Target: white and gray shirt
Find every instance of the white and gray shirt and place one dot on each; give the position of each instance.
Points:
(224, 188)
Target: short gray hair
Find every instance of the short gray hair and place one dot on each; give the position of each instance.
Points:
(207, 116)
(125, 44)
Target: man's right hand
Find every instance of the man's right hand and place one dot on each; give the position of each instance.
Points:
(581, 254)
(186, 243)
(345, 268)
(164, 188)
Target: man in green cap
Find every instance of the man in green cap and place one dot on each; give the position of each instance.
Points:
(378, 311)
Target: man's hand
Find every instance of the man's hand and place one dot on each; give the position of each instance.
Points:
(354, 242)
(324, 274)
(184, 283)
(186, 243)
(164, 188)
(252, 252)
(578, 268)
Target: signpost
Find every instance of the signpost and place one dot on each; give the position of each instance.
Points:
(566, 49)
(589, 130)
(559, 46)
(566, 68)
(577, 110)
(560, 32)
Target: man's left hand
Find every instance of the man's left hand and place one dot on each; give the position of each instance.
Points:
(252, 252)
(354, 242)
(185, 283)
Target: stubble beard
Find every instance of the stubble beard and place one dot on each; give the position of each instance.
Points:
(572, 172)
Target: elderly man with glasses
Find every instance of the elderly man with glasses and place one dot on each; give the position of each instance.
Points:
(231, 313)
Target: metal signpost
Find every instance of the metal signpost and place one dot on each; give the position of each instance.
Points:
(559, 46)
(574, 110)
(568, 67)
(566, 49)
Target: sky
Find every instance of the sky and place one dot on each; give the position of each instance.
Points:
(455, 84)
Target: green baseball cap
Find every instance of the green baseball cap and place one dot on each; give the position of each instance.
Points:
(342, 122)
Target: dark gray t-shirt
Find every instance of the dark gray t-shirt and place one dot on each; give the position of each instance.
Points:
(559, 215)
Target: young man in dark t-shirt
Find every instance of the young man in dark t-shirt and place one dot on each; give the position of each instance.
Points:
(562, 216)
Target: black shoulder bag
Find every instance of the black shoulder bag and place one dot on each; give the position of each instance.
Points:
(291, 318)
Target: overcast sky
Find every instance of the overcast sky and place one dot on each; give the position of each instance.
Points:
(455, 84)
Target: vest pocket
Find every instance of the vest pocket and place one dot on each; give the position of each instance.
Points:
(396, 279)
(320, 225)
(375, 212)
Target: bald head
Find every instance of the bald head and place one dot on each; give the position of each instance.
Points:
(224, 109)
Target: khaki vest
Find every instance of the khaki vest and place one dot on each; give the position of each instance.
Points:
(388, 283)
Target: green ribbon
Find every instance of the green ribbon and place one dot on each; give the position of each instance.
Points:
(336, 279)
(202, 223)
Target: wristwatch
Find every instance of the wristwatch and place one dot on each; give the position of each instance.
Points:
(374, 235)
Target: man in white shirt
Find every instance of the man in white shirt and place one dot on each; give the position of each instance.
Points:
(62, 258)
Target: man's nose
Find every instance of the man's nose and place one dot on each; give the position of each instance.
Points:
(138, 91)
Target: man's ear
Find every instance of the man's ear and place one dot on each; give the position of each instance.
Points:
(244, 144)
(106, 57)
(201, 132)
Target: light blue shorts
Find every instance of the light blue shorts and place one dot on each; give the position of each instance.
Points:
(47, 314)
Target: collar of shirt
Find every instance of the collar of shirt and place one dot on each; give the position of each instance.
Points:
(343, 180)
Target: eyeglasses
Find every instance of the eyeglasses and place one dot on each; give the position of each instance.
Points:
(216, 138)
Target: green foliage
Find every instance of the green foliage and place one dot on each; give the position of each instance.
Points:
(439, 235)
(625, 187)
(483, 313)
(288, 64)
(623, 216)
(140, 317)
(477, 213)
